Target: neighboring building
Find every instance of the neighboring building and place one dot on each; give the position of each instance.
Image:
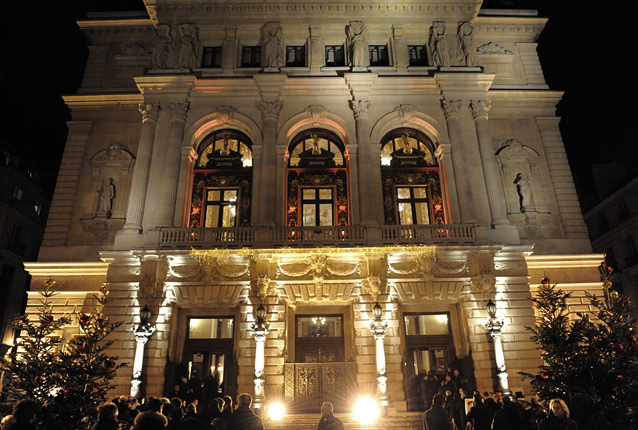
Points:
(613, 229)
(23, 212)
(315, 158)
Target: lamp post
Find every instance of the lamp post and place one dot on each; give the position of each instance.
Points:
(494, 327)
(142, 333)
(260, 330)
(379, 328)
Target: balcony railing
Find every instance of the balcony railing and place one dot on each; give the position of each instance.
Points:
(276, 237)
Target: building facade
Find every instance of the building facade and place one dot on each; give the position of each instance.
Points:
(261, 175)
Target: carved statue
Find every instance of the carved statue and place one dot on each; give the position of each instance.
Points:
(315, 144)
(467, 50)
(225, 150)
(161, 49)
(407, 149)
(523, 187)
(106, 194)
(188, 46)
(358, 47)
(439, 45)
(271, 48)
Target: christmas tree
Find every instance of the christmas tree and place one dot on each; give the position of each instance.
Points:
(592, 356)
(69, 378)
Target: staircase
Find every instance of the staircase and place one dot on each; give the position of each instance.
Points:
(406, 421)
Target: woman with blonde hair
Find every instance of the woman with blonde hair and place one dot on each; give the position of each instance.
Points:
(558, 417)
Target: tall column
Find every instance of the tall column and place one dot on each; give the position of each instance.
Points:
(495, 193)
(268, 164)
(494, 327)
(260, 330)
(171, 167)
(451, 109)
(369, 163)
(137, 198)
(142, 333)
(379, 328)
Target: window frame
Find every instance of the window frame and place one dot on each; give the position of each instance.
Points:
(254, 52)
(335, 49)
(413, 201)
(421, 54)
(382, 53)
(317, 201)
(296, 49)
(221, 204)
(215, 56)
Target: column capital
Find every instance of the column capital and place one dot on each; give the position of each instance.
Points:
(451, 108)
(361, 108)
(149, 111)
(480, 108)
(270, 110)
(178, 111)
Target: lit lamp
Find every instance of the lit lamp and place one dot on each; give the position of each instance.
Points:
(494, 327)
(379, 328)
(142, 333)
(260, 330)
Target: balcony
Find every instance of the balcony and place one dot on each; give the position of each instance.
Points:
(344, 236)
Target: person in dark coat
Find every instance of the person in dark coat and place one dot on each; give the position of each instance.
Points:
(558, 417)
(244, 418)
(106, 417)
(329, 421)
(507, 418)
(436, 418)
(24, 414)
(480, 416)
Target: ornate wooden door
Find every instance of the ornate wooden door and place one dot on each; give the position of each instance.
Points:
(308, 385)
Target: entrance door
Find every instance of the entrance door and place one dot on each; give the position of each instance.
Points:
(429, 348)
(208, 355)
(320, 373)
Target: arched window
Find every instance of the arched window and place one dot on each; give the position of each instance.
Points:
(222, 181)
(411, 179)
(317, 180)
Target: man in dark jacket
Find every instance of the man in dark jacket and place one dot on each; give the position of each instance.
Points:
(480, 416)
(244, 418)
(329, 421)
(436, 418)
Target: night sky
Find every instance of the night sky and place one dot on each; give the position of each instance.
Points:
(585, 51)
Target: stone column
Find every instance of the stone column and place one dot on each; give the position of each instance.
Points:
(260, 330)
(369, 164)
(494, 327)
(379, 328)
(139, 185)
(267, 175)
(495, 193)
(451, 109)
(171, 167)
(142, 334)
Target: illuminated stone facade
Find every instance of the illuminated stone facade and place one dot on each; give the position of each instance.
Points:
(450, 99)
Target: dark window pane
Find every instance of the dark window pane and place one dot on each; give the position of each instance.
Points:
(379, 55)
(418, 55)
(295, 56)
(335, 56)
(251, 56)
(212, 56)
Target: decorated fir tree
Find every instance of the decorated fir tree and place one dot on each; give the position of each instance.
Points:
(591, 358)
(69, 378)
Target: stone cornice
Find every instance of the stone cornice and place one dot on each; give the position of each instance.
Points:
(114, 23)
(564, 261)
(338, 8)
(67, 269)
(97, 101)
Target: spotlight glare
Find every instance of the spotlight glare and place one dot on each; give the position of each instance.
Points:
(366, 410)
(276, 411)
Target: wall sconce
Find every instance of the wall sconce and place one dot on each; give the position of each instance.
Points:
(377, 312)
(491, 308)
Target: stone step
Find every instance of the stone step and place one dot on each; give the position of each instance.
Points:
(407, 421)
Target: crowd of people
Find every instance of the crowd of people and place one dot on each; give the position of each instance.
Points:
(155, 414)
(444, 396)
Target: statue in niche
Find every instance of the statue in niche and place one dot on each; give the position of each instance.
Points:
(439, 45)
(524, 190)
(407, 148)
(466, 44)
(188, 46)
(225, 150)
(161, 49)
(106, 194)
(271, 48)
(315, 144)
(357, 44)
